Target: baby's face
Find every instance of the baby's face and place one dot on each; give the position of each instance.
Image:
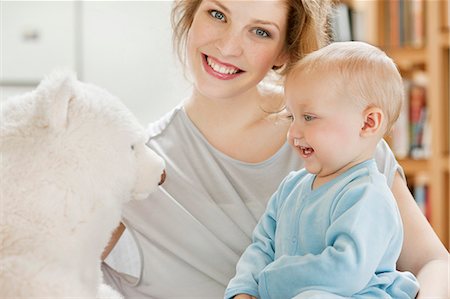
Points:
(325, 128)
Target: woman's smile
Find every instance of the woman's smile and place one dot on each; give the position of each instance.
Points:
(220, 70)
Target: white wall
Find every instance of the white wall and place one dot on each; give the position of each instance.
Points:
(123, 46)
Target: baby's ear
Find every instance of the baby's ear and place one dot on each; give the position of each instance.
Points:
(373, 122)
(52, 99)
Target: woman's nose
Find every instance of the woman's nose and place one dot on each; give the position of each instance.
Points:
(230, 43)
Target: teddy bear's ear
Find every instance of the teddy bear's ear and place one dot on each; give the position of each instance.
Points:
(54, 94)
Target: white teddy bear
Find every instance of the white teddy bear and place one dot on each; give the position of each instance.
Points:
(71, 155)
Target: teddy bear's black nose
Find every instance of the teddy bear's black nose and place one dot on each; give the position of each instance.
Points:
(163, 177)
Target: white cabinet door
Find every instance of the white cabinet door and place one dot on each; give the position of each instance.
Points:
(127, 49)
(36, 37)
(122, 46)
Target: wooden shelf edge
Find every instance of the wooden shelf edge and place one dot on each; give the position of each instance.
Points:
(405, 58)
(445, 39)
(413, 166)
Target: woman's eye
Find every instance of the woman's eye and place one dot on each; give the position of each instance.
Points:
(308, 117)
(217, 15)
(262, 33)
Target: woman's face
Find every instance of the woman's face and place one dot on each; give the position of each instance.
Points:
(232, 44)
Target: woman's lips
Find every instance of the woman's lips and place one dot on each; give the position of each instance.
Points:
(219, 69)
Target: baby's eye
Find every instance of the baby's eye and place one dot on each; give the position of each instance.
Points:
(261, 32)
(132, 147)
(308, 117)
(217, 15)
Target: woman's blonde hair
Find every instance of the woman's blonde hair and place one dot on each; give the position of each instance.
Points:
(307, 27)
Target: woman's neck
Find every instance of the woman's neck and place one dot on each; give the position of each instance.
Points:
(238, 112)
(232, 112)
(239, 127)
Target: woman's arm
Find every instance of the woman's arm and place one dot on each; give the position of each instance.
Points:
(117, 233)
(423, 253)
(434, 280)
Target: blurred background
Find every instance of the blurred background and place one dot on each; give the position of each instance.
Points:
(122, 46)
(125, 47)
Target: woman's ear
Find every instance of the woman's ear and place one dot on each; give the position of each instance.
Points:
(281, 60)
(373, 122)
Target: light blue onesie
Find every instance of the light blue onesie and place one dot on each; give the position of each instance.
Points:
(342, 238)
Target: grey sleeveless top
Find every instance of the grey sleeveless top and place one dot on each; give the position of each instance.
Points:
(188, 236)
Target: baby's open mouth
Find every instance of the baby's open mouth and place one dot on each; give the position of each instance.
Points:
(307, 151)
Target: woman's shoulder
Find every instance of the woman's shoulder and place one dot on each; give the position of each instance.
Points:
(159, 126)
(386, 162)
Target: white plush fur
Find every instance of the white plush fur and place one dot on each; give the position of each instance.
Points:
(71, 155)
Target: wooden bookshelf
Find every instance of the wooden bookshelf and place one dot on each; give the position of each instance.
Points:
(438, 72)
(432, 57)
(407, 58)
(445, 40)
(413, 166)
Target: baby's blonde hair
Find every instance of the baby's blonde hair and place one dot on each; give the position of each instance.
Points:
(363, 72)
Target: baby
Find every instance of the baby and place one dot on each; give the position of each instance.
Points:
(332, 230)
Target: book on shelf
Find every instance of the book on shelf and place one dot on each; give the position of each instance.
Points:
(448, 14)
(420, 191)
(354, 22)
(341, 23)
(411, 135)
(404, 23)
(417, 20)
(418, 117)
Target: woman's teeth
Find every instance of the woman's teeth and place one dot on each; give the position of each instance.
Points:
(220, 68)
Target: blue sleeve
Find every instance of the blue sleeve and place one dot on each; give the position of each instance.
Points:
(258, 254)
(362, 226)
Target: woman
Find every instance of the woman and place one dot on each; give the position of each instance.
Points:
(226, 153)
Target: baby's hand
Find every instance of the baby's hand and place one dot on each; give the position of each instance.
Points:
(244, 296)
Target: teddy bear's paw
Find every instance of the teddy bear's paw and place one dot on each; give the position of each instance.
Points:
(106, 292)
